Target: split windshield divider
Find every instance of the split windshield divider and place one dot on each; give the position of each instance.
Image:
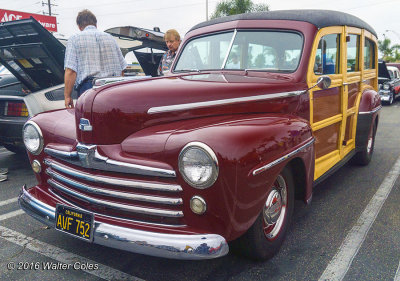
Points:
(229, 49)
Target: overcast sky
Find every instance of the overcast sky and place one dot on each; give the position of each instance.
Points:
(382, 15)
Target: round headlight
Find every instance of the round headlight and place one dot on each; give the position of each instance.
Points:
(33, 138)
(198, 165)
(386, 86)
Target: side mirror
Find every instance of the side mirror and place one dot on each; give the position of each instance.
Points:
(324, 82)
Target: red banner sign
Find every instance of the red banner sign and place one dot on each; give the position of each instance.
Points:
(48, 22)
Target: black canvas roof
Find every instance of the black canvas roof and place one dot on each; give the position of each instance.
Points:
(319, 18)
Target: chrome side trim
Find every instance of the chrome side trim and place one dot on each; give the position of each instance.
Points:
(283, 158)
(193, 105)
(175, 246)
(113, 181)
(372, 111)
(87, 156)
(122, 207)
(113, 193)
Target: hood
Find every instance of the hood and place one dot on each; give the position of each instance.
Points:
(118, 110)
(135, 39)
(382, 70)
(32, 54)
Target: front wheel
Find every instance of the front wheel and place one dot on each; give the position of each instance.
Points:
(265, 237)
(364, 156)
(15, 149)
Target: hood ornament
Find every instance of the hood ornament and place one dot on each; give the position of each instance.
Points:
(84, 125)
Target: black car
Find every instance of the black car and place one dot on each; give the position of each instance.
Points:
(389, 83)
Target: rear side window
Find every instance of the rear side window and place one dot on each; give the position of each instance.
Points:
(369, 54)
(328, 54)
(353, 52)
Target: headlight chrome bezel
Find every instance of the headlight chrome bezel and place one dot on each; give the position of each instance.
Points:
(210, 154)
(39, 131)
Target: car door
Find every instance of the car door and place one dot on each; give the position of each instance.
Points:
(326, 106)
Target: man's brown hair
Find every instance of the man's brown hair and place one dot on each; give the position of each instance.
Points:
(85, 18)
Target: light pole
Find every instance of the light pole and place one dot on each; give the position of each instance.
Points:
(206, 9)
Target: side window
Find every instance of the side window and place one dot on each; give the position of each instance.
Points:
(369, 54)
(327, 57)
(353, 52)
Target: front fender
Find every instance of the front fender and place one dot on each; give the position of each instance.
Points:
(368, 114)
(242, 144)
(369, 101)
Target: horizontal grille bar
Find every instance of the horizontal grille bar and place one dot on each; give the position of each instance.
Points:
(117, 206)
(113, 181)
(87, 156)
(113, 193)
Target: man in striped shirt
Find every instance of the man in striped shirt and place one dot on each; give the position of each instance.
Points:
(90, 54)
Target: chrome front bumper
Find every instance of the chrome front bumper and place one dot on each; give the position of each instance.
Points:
(174, 246)
(385, 95)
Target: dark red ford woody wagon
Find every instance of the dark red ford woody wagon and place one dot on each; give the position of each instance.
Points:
(258, 109)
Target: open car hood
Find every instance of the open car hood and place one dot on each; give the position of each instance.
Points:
(382, 70)
(130, 38)
(32, 54)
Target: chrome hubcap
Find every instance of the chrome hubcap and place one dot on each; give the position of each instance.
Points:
(369, 145)
(275, 208)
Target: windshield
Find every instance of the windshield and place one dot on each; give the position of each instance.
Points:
(275, 51)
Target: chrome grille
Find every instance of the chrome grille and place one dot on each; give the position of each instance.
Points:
(117, 196)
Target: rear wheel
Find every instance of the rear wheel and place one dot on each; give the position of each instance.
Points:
(265, 237)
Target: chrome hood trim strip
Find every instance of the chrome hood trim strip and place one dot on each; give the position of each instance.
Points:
(194, 105)
(283, 158)
(175, 246)
(113, 193)
(112, 181)
(87, 156)
(117, 206)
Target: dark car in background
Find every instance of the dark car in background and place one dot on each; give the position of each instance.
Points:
(389, 82)
(35, 60)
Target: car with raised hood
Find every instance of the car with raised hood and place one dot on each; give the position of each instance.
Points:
(35, 61)
(259, 108)
(389, 82)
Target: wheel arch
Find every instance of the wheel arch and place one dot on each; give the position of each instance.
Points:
(298, 168)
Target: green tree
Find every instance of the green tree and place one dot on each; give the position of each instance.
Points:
(233, 7)
(390, 53)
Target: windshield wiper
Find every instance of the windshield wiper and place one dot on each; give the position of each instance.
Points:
(187, 70)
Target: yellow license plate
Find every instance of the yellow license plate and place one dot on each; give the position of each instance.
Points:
(75, 222)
